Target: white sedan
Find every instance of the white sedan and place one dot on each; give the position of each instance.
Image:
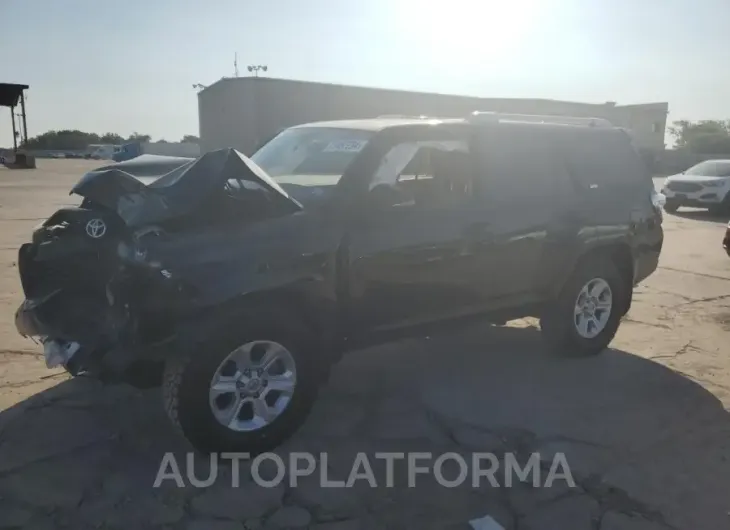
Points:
(705, 185)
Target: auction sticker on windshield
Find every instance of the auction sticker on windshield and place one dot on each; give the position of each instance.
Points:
(344, 146)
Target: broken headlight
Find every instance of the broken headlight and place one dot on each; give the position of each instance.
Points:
(136, 255)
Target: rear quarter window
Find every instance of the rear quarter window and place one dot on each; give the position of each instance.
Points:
(519, 164)
(603, 160)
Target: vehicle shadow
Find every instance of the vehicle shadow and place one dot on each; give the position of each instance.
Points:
(639, 438)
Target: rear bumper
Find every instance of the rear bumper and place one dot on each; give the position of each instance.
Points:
(647, 253)
(645, 264)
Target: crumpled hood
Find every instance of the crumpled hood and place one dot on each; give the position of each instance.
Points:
(151, 189)
(146, 167)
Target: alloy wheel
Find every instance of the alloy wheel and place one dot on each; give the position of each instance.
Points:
(253, 385)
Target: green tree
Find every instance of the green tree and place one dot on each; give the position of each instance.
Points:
(136, 137)
(710, 137)
(111, 138)
(66, 140)
(189, 138)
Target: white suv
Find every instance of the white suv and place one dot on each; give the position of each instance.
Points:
(705, 185)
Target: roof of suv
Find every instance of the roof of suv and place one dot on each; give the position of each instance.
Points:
(378, 124)
(385, 122)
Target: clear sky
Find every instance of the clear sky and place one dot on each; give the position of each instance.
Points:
(129, 65)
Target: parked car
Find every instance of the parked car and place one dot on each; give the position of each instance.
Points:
(236, 283)
(704, 185)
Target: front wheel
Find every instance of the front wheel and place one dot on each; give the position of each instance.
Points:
(585, 317)
(246, 392)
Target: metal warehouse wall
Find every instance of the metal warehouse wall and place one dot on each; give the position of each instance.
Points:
(243, 112)
(224, 111)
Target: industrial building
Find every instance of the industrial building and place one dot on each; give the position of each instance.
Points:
(243, 112)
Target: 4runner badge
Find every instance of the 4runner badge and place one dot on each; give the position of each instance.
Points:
(96, 228)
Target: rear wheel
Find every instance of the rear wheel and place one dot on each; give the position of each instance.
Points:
(247, 392)
(585, 317)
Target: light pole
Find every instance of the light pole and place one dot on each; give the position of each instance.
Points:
(256, 68)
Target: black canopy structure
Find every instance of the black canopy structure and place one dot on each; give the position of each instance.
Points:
(10, 95)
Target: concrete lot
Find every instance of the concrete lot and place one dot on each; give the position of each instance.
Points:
(644, 426)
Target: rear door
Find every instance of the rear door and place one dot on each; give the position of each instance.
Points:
(529, 209)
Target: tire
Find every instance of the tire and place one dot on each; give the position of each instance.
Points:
(558, 323)
(671, 207)
(187, 382)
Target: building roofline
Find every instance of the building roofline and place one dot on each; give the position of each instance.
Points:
(664, 105)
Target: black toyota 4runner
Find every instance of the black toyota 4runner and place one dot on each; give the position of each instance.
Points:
(236, 283)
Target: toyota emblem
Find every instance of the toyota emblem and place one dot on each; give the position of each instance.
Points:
(96, 228)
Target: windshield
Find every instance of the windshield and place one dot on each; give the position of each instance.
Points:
(710, 168)
(310, 156)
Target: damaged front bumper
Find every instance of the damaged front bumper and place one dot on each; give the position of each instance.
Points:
(96, 328)
(110, 353)
(65, 343)
(56, 352)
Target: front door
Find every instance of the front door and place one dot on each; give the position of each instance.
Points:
(411, 259)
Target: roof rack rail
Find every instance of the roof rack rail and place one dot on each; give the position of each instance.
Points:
(403, 116)
(488, 116)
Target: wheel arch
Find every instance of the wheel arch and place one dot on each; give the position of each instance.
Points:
(315, 315)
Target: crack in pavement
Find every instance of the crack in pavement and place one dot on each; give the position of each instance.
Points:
(681, 351)
(522, 441)
(517, 440)
(703, 300)
(29, 353)
(652, 324)
(21, 384)
(703, 274)
(661, 291)
(71, 450)
(612, 499)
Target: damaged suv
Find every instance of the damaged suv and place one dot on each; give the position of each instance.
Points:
(236, 283)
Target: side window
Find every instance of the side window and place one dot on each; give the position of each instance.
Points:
(521, 165)
(425, 175)
(605, 160)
